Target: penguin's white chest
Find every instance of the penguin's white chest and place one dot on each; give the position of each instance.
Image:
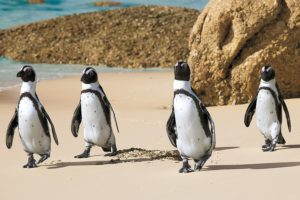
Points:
(96, 129)
(191, 139)
(266, 115)
(31, 131)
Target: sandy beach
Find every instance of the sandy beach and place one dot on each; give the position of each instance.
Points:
(238, 168)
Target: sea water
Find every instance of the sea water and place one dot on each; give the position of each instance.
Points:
(18, 12)
(10, 68)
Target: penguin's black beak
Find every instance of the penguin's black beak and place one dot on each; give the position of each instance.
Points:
(20, 73)
(84, 78)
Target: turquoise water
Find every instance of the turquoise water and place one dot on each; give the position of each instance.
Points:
(18, 12)
(9, 69)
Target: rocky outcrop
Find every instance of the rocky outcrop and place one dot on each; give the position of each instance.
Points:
(107, 3)
(232, 39)
(146, 36)
(35, 1)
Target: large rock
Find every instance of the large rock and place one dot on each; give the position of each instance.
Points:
(233, 39)
(35, 1)
(144, 36)
(107, 3)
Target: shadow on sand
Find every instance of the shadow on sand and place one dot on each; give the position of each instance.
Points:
(91, 163)
(225, 148)
(292, 146)
(252, 166)
(130, 156)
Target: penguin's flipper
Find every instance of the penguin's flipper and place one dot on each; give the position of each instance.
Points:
(76, 120)
(109, 106)
(112, 110)
(209, 120)
(51, 124)
(287, 114)
(286, 111)
(250, 112)
(171, 129)
(11, 129)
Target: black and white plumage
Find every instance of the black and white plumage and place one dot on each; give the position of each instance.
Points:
(190, 127)
(32, 119)
(94, 111)
(268, 104)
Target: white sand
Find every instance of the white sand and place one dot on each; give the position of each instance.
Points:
(238, 168)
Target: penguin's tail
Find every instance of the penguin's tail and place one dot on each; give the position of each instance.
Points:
(106, 149)
(281, 139)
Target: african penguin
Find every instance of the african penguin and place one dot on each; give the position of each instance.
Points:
(268, 104)
(94, 111)
(190, 127)
(32, 119)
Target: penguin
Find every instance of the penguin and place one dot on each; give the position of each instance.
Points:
(190, 127)
(268, 104)
(94, 111)
(32, 120)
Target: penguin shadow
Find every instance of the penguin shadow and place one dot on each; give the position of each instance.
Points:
(225, 148)
(139, 157)
(95, 163)
(254, 166)
(132, 155)
(291, 146)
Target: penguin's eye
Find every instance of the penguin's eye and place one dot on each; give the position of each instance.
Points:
(28, 70)
(91, 73)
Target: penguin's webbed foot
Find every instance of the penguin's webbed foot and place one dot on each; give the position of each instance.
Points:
(43, 158)
(200, 163)
(186, 168)
(85, 154)
(270, 147)
(267, 144)
(281, 140)
(114, 151)
(273, 147)
(266, 148)
(31, 163)
(111, 154)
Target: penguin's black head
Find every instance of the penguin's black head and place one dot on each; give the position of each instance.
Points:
(89, 76)
(182, 71)
(267, 73)
(27, 73)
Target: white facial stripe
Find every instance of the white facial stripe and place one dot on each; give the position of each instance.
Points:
(23, 68)
(88, 71)
(26, 69)
(268, 69)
